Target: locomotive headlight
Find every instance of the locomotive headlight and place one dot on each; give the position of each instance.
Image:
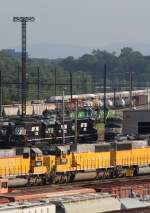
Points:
(65, 131)
(73, 127)
(63, 161)
(65, 128)
(3, 132)
(36, 133)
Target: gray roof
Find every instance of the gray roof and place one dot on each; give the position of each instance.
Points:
(130, 203)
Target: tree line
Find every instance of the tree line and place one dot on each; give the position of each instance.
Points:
(87, 74)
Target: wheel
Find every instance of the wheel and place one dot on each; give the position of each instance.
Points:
(72, 177)
(136, 171)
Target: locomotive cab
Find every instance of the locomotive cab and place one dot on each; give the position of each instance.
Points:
(86, 130)
(37, 166)
(63, 159)
(68, 132)
(24, 130)
(48, 130)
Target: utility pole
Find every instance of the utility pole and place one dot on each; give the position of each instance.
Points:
(55, 83)
(131, 88)
(23, 21)
(55, 88)
(105, 93)
(114, 97)
(18, 79)
(0, 93)
(63, 109)
(148, 95)
(71, 85)
(76, 121)
(38, 83)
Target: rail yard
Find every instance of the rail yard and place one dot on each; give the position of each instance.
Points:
(59, 155)
(65, 156)
(54, 162)
(74, 131)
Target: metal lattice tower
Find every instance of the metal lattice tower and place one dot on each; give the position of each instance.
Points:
(23, 21)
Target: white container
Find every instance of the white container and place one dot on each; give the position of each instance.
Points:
(28, 208)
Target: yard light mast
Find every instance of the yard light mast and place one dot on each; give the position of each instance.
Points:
(23, 21)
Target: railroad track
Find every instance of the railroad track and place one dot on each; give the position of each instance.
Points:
(87, 183)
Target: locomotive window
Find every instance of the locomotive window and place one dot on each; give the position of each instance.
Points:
(83, 124)
(50, 130)
(33, 155)
(65, 126)
(35, 129)
(38, 163)
(19, 151)
(25, 155)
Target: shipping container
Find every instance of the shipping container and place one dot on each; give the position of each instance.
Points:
(28, 207)
(89, 203)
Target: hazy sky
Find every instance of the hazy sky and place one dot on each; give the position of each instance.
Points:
(76, 22)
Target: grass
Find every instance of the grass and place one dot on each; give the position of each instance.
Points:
(100, 129)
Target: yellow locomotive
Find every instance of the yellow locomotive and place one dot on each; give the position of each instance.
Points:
(62, 163)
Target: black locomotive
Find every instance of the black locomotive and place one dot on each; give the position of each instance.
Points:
(50, 128)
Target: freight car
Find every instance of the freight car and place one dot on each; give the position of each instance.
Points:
(59, 164)
(139, 100)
